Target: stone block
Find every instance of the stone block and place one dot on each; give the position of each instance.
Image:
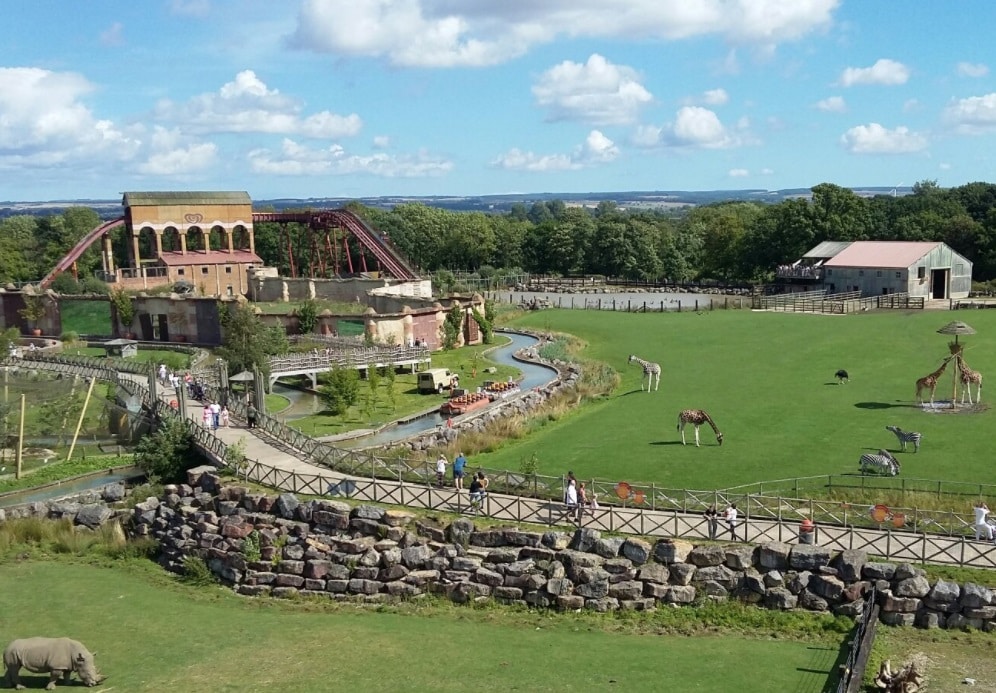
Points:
(808, 557)
(774, 555)
(706, 556)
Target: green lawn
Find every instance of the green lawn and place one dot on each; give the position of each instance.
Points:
(151, 634)
(767, 380)
(407, 398)
(86, 317)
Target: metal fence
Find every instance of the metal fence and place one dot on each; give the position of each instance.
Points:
(629, 305)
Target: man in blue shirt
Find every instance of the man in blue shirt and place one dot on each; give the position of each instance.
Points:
(458, 466)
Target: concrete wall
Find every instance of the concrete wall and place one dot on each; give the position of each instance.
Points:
(265, 286)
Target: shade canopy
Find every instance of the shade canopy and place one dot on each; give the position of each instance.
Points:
(956, 327)
(243, 377)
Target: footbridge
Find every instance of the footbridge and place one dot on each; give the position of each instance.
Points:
(312, 363)
(283, 458)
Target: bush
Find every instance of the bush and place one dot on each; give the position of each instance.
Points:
(196, 572)
(167, 453)
(307, 316)
(92, 285)
(65, 284)
(341, 391)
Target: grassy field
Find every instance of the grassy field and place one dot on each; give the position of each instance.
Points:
(407, 399)
(151, 633)
(767, 380)
(86, 317)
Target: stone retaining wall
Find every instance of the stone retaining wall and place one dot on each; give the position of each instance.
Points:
(88, 509)
(324, 548)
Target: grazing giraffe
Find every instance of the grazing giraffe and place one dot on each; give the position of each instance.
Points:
(696, 417)
(929, 382)
(651, 370)
(967, 376)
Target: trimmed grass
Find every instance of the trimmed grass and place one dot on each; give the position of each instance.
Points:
(407, 399)
(154, 634)
(276, 403)
(767, 380)
(86, 317)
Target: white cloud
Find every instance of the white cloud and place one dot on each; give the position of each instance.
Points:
(381, 141)
(44, 122)
(247, 104)
(885, 72)
(715, 97)
(693, 126)
(832, 104)
(911, 105)
(767, 171)
(171, 153)
(113, 35)
(596, 92)
(972, 69)
(447, 33)
(597, 149)
(974, 115)
(738, 173)
(944, 166)
(295, 159)
(875, 139)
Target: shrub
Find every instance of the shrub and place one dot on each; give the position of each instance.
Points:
(250, 547)
(196, 572)
(168, 452)
(341, 391)
(307, 316)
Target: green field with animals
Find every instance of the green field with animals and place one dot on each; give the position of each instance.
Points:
(767, 380)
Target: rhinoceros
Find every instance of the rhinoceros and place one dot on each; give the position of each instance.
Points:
(60, 656)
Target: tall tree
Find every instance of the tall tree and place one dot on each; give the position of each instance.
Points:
(247, 342)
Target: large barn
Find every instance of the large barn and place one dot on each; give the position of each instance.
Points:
(930, 270)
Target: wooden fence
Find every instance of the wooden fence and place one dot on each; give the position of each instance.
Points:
(645, 510)
(638, 305)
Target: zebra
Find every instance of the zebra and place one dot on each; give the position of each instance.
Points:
(882, 463)
(650, 369)
(906, 437)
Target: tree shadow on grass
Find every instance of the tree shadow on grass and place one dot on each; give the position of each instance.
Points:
(666, 442)
(899, 404)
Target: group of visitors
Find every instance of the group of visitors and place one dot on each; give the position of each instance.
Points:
(195, 389)
(215, 416)
(983, 525)
(730, 516)
(478, 482)
(576, 498)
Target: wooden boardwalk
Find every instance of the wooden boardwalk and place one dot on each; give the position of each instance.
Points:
(290, 465)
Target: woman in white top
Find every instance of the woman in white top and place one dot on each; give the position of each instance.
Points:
(571, 497)
(982, 527)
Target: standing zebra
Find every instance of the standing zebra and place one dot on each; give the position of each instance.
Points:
(882, 463)
(696, 417)
(651, 371)
(906, 437)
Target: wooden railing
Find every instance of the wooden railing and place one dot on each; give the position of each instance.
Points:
(649, 510)
(352, 358)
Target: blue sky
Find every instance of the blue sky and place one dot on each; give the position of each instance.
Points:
(314, 98)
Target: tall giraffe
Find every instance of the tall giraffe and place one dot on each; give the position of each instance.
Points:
(651, 370)
(967, 377)
(930, 382)
(696, 417)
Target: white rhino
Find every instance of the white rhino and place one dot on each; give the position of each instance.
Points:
(60, 656)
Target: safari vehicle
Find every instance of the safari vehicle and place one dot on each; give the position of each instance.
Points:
(434, 380)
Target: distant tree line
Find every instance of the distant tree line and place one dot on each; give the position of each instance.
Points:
(726, 241)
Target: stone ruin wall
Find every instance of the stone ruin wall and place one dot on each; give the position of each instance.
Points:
(328, 549)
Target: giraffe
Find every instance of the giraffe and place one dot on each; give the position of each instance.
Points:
(696, 417)
(967, 376)
(930, 382)
(651, 370)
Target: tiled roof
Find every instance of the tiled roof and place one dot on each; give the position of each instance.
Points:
(185, 198)
(887, 254)
(213, 257)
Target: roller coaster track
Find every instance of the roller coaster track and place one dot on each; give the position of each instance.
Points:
(371, 240)
(78, 249)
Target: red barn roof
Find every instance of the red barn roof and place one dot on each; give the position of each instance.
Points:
(885, 254)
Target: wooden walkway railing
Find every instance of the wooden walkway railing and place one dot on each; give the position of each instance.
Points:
(661, 512)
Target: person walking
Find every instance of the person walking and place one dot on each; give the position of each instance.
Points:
(731, 520)
(982, 526)
(459, 463)
(251, 415)
(215, 414)
(712, 518)
(478, 490)
(226, 417)
(582, 501)
(571, 497)
(206, 418)
(441, 463)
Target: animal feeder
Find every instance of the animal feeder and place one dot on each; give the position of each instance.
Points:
(957, 328)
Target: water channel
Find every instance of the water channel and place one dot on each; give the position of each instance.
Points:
(70, 487)
(304, 403)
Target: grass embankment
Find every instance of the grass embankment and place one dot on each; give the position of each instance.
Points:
(59, 470)
(467, 362)
(132, 614)
(86, 317)
(767, 380)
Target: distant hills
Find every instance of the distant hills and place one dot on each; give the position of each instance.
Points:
(654, 199)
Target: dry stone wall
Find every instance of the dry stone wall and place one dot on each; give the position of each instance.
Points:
(280, 546)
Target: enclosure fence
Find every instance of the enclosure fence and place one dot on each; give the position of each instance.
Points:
(912, 535)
